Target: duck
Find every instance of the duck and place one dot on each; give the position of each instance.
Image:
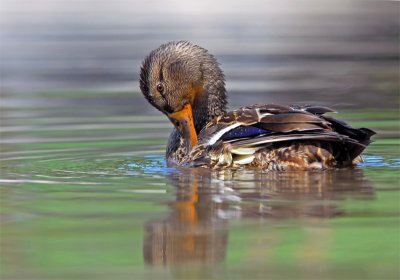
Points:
(185, 82)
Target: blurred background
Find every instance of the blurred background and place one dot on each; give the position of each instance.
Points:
(345, 53)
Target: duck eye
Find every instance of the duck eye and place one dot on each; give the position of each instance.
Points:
(160, 88)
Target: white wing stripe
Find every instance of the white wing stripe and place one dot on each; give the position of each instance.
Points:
(219, 134)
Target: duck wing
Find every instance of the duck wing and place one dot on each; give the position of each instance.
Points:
(237, 135)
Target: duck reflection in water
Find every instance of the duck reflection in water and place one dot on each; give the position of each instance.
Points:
(193, 232)
(196, 231)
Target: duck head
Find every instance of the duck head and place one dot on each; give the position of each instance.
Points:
(184, 82)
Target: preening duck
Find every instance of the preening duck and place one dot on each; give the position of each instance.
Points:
(185, 82)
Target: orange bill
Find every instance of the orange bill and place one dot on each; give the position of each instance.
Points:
(183, 121)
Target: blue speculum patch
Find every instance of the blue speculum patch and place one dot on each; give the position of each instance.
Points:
(243, 132)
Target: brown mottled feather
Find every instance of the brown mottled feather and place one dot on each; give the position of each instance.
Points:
(297, 139)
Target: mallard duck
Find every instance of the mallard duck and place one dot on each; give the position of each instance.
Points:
(185, 82)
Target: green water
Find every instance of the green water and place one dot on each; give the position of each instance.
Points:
(86, 194)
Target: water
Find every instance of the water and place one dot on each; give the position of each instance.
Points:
(86, 194)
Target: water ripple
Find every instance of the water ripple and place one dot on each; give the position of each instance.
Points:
(152, 164)
(380, 161)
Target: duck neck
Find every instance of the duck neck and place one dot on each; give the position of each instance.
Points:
(209, 105)
(211, 102)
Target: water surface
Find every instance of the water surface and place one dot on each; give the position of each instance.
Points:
(86, 194)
